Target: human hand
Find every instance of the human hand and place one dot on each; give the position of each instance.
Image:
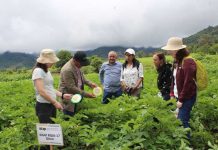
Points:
(58, 106)
(134, 89)
(176, 112)
(90, 95)
(179, 104)
(128, 90)
(172, 97)
(67, 96)
(93, 85)
(159, 94)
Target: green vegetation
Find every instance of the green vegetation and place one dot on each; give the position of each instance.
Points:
(64, 56)
(124, 123)
(204, 41)
(16, 60)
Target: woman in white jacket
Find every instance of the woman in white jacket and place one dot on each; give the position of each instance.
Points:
(131, 74)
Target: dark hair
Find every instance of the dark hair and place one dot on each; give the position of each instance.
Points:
(181, 54)
(135, 63)
(161, 56)
(42, 66)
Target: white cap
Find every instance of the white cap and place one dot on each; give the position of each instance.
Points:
(130, 51)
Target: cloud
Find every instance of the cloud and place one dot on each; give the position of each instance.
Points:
(85, 24)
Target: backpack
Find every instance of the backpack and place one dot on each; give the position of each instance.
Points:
(137, 66)
(201, 74)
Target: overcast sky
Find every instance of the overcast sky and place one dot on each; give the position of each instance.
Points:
(31, 25)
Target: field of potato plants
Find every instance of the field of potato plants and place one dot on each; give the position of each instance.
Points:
(125, 123)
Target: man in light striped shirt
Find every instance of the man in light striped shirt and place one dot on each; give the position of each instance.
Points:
(110, 77)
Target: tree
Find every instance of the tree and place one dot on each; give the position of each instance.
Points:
(213, 49)
(96, 62)
(64, 56)
(140, 54)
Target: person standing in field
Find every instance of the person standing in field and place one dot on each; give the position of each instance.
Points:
(109, 75)
(46, 103)
(72, 81)
(131, 74)
(164, 78)
(184, 76)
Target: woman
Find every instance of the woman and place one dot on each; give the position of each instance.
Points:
(46, 103)
(164, 75)
(183, 86)
(131, 74)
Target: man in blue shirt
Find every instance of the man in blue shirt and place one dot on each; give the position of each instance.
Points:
(110, 77)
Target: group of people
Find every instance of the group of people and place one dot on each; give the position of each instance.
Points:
(177, 80)
(118, 78)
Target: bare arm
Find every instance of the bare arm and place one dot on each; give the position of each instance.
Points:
(40, 88)
(65, 96)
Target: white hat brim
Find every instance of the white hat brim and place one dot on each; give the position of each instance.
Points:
(47, 60)
(173, 48)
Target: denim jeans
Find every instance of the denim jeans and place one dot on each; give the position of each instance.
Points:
(185, 110)
(109, 95)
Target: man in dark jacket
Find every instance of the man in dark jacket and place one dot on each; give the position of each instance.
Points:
(72, 80)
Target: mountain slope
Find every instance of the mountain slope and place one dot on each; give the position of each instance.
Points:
(205, 41)
(16, 60)
(103, 51)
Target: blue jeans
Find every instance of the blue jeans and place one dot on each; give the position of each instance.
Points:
(109, 95)
(185, 110)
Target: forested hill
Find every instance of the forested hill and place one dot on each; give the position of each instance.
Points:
(205, 41)
(103, 51)
(16, 60)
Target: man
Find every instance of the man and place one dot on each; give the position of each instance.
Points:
(72, 80)
(110, 77)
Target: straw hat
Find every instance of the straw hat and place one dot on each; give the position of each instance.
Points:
(174, 43)
(130, 51)
(47, 56)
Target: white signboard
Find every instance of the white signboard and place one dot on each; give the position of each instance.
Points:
(49, 134)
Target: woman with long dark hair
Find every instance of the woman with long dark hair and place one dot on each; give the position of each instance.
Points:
(164, 78)
(46, 103)
(131, 74)
(184, 77)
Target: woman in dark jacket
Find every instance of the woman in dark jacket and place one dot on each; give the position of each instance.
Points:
(183, 86)
(164, 75)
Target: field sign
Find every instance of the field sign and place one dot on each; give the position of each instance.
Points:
(49, 134)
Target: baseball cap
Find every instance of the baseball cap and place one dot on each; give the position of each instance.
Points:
(80, 56)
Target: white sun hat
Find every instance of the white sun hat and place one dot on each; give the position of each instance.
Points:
(130, 51)
(47, 56)
(174, 43)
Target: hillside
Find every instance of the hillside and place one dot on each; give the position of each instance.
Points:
(103, 51)
(16, 60)
(205, 41)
